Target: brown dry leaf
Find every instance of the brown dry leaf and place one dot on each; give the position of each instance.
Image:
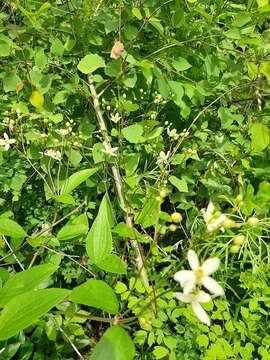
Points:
(117, 50)
(19, 86)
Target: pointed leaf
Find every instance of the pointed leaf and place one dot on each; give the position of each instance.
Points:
(76, 179)
(115, 344)
(11, 228)
(90, 63)
(25, 281)
(113, 264)
(26, 308)
(96, 293)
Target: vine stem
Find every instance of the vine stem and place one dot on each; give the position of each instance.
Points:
(119, 185)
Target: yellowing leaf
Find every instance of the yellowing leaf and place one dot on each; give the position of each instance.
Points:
(37, 99)
(265, 69)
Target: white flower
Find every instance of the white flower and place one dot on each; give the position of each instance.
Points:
(62, 132)
(196, 298)
(214, 220)
(54, 154)
(172, 133)
(109, 150)
(115, 118)
(199, 275)
(6, 142)
(163, 157)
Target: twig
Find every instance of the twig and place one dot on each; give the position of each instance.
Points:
(119, 185)
(13, 253)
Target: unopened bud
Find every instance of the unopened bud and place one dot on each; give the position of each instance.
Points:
(162, 193)
(234, 249)
(176, 217)
(172, 227)
(239, 239)
(253, 221)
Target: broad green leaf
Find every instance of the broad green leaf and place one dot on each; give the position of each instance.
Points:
(90, 63)
(178, 91)
(137, 13)
(133, 133)
(149, 213)
(40, 59)
(11, 228)
(26, 308)
(265, 69)
(113, 264)
(70, 231)
(124, 230)
(99, 238)
(10, 80)
(76, 179)
(97, 294)
(160, 352)
(259, 136)
(115, 344)
(36, 99)
(65, 199)
(57, 47)
(181, 64)
(75, 157)
(180, 184)
(25, 281)
(262, 3)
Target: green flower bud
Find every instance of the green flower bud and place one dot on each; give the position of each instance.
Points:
(176, 217)
(239, 239)
(234, 249)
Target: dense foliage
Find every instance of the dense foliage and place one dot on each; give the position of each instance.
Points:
(131, 133)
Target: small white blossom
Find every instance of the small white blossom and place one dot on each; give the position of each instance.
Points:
(163, 157)
(199, 275)
(54, 154)
(196, 298)
(115, 118)
(109, 150)
(172, 133)
(213, 220)
(6, 142)
(62, 132)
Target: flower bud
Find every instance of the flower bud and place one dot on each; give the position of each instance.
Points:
(239, 198)
(253, 221)
(234, 249)
(239, 239)
(172, 227)
(176, 217)
(162, 193)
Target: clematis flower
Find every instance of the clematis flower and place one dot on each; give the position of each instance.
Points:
(62, 132)
(196, 298)
(115, 118)
(214, 220)
(199, 275)
(163, 157)
(109, 150)
(54, 154)
(172, 134)
(6, 142)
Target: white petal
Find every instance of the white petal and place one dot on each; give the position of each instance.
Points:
(203, 297)
(6, 147)
(2, 142)
(193, 259)
(211, 285)
(6, 136)
(200, 313)
(12, 141)
(210, 266)
(208, 212)
(186, 279)
(186, 298)
(220, 220)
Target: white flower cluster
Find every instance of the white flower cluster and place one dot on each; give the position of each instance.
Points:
(163, 158)
(53, 154)
(109, 150)
(192, 281)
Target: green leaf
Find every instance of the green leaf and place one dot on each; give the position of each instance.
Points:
(70, 231)
(124, 230)
(115, 344)
(181, 64)
(57, 48)
(97, 294)
(11, 228)
(65, 199)
(40, 59)
(137, 13)
(113, 264)
(10, 81)
(75, 157)
(178, 91)
(265, 69)
(180, 184)
(160, 352)
(149, 213)
(26, 308)
(133, 133)
(259, 136)
(90, 63)
(202, 340)
(76, 179)
(99, 238)
(25, 281)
